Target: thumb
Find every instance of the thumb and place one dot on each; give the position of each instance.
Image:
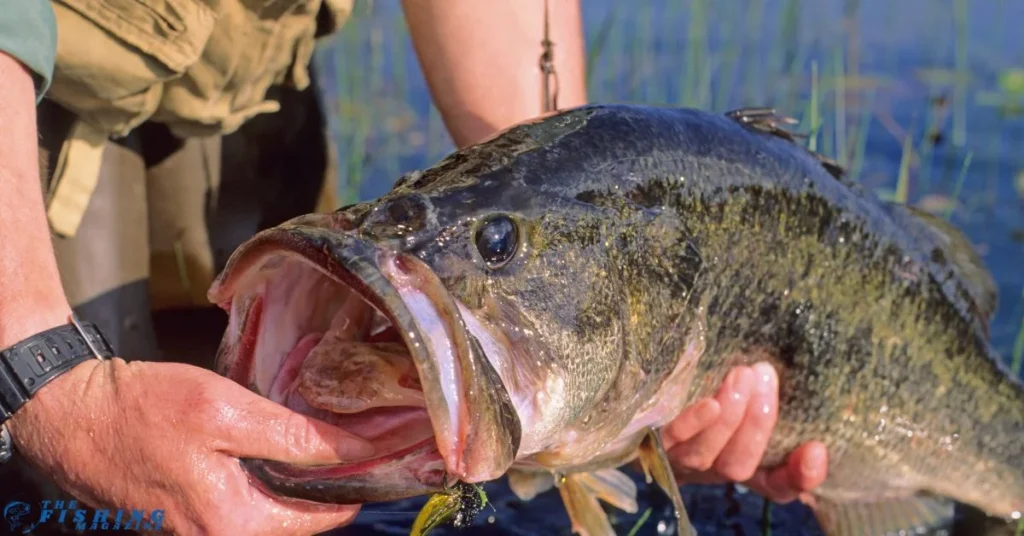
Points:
(251, 426)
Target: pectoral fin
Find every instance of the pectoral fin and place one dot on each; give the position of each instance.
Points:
(528, 484)
(586, 514)
(655, 464)
(613, 487)
(906, 515)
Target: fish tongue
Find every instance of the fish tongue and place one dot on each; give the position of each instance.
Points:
(350, 377)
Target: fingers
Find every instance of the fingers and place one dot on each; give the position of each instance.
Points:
(742, 455)
(808, 466)
(699, 452)
(724, 439)
(309, 518)
(245, 508)
(692, 421)
(325, 521)
(805, 469)
(245, 424)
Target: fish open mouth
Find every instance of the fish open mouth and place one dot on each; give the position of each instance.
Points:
(366, 339)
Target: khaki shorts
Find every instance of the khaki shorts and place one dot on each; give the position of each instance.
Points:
(202, 67)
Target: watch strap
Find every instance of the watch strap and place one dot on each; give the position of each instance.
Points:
(6, 444)
(32, 363)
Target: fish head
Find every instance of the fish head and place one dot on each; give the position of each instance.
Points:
(504, 294)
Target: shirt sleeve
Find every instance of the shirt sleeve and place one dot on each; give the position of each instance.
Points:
(28, 33)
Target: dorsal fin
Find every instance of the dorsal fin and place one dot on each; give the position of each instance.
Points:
(767, 121)
(958, 252)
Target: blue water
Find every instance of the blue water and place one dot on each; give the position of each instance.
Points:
(906, 48)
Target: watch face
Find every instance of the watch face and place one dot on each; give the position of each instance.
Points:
(6, 446)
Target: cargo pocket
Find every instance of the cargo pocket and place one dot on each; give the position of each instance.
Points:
(114, 57)
(256, 46)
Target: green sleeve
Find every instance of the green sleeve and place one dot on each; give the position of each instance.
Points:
(28, 33)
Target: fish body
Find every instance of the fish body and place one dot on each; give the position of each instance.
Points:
(569, 285)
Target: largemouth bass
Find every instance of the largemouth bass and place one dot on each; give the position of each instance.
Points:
(540, 304)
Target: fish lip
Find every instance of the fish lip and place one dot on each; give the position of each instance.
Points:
(357, 263)
(488, 432)
(358, 481)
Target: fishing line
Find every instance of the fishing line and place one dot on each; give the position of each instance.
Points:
(547, 67)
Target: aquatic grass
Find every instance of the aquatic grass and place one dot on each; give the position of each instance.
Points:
(598, 43)
(709, 76)
(781, 57)
(928, 141)
(397, 91)
(766, 517)
(959, 184)
(814, 109)
(640, 522)
(637, 48)
(734, 48)
(860, 147)
(353, 140)
(752, 91)
(435, 132)
(795, 74)
(840, 107)
(697, 71)
(960, 43)
(610, 67)
(903, 177)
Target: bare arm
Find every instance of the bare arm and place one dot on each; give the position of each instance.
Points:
(36, 302)
(481, 59)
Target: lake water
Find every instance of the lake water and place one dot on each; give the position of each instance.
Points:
(898, 56)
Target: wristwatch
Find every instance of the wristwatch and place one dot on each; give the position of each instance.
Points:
(32, 363)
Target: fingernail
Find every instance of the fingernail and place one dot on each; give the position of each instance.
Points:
(738, 382)
(743, 379)
(766, 380)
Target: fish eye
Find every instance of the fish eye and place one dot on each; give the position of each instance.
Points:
(497, 240)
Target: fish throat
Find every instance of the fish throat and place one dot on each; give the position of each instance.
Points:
(323, 350)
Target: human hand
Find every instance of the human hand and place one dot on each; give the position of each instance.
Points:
(723, 439)
(167, 436)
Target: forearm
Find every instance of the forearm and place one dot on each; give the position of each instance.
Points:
(481, 60)
(31, 296)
